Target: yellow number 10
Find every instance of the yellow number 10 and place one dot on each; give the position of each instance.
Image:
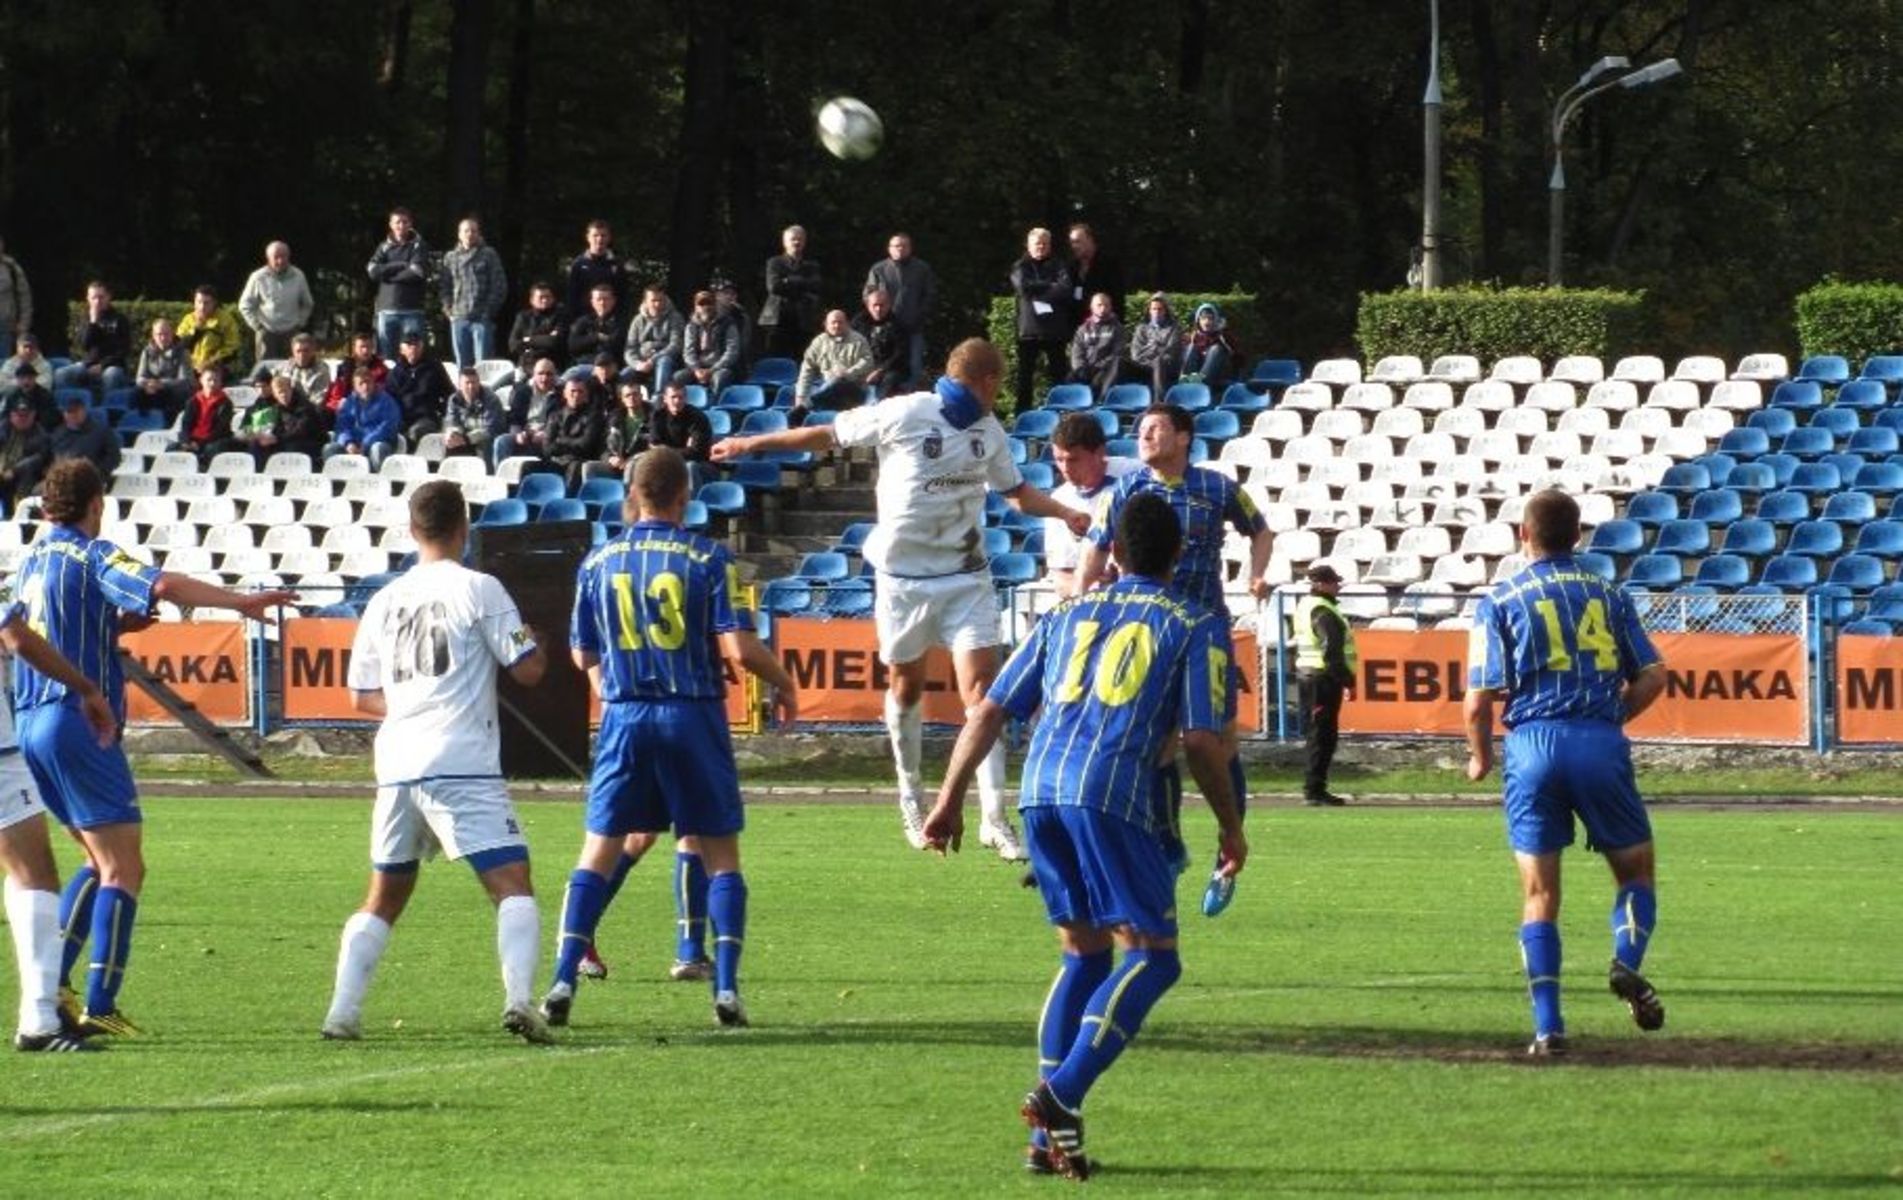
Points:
(1121, 668)
(1592, 637)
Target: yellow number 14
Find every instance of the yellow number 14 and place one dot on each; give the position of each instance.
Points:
(1592, 637)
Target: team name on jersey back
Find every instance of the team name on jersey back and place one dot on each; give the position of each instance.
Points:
(1561, 641)
(649, 605)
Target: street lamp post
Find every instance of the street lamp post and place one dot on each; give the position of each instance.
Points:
(1430, 120)
(1563, 110)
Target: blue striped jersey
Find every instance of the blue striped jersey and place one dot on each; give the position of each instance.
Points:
(1117, 672)
(1560, 641)
(649, 604)
(74, 589)
(1204, 502)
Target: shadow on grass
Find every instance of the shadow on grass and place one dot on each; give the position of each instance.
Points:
(1418, 1181)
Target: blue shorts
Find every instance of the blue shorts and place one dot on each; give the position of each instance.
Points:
(82, 785)
(1099, 870)
(1558, 769)
(664, 762)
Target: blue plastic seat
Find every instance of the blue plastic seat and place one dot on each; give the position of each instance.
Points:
(843, 600)
(1018, 448)
(1834, 601)
(996, 540)
(1880, 539)
(695, 394)
(1750, 538)
(853, 537)
(1656, 571)
(784, 597)
(1193, 395)
(1799, 394)
(1725, 571)
(1619, 536)
(1850, 508)
(1841, 421)
(1598, 564)
(756, 474)
(1826, 369)
(1127, 398)
(1757, 476)
(1652, 508)
(1886, 603)
(774, 372)
(1816, 479)
(1868, 627)
(1684, 538)
(563, 509)
(1037, 423)
(1069, 397)
(1781, 466)
(1718, 466)
(1720, 506)
(824, 565)
(540, 488)
(1033, 543)
(1747, 442)
(696, 516)
(1816, 539)
(604, 496)
(1847, 465)
(1276, 372)
(720, 421)
(1014, 568)
(1685, 479)
(1858, 396)
(1789, 572)
(506, 511)
(1885, 368)
(1239, 399)
(763, 420)
(1121, 447)
(1879, 479)
(1699, 602)
(723, 497)
(1874, 441)
(1776, 422)
(1889, 418)
(1806, 441)
(743, 397)
(1858, 572)
(1040, 475)
(1217, 424)
(1783, 507)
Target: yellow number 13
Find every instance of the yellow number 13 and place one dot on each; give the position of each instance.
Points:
(669, 632)
(1592, 637)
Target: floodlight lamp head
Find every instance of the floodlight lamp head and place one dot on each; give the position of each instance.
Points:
(1611, 62)
(1663, 69)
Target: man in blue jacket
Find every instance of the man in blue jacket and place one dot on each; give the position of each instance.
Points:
(367, 421)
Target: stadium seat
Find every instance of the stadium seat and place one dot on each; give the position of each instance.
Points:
(1014, 568)
(1737, 395)
(1826, 370)
(1686, 538)
(1037, 423)
(724, 497)
(1553, 395)
(1335, 372)
(1874, 440)
(1623, 537)
(1798, 394)
(1773, 422)
(1672, 395)
(1455, 368)
(539, 488)
(696, 517)
(1748, 442)
(774, 372)
(1720, 506)
(1883, 368)
(1833, 601)
(1652, 508)
(1815, 479)
(824, 566)
(757, 474)
(1488, 395)
(1367, 397)
(1040, 475)
(784, 597)
(996, 539)
(1860, 395)
(1858, 572)
(1790, 572)
(1700, 368)
(1763, 367)
(1656, 571)
(1806, 442)
(507, 511)
(1750, 538)
(1216, 424)
(1686, 479)
(1238, 399)
(1401, 369)
(1127, 398)
(1879, 479)
(495, 372)
(1602, 565)
(763, 420)
(1850, 508)
(1868, 627)
(1427, 396)
(696, 395)
(1639, 368)
(1068, 397)
(1886, 603)
(1276, 372)
(1615, 395)
(1881, 539)
(603, 496)
(1193, 396)
(1759, 476)
(1783, 507)
(1840, 421)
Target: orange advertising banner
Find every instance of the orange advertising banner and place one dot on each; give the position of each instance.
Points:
(1869, 690)
(205, 662)
(1720, 687)
(316, 663)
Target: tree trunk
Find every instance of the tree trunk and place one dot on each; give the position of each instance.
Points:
(512, 227)
(709, 77)
(470, 27)
(396, 47)
(1492, 93)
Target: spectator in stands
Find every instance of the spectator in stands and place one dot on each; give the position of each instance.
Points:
(597, 264)
(420, 386)
(210, 337)
(164, 378)
(259, 427)
(1156, 345)
(654, 339)
(1092, 271)
(540, 330)
(575, 434)
(103, 345)
(24, 453)
(26, 353)
(363, 357)
(1081, 454)
(27, 386)
(603, 329)
(82, 435)
(710, 346)
(1209, 353)
(475, 287)
(912, 287)
(400, 267)
(474, 418)
(204, 428)
(367, 421)
(792, 309)
(16, 296)
(303, 423)
(276, 303)
(1043, 287)
(888, 343)
(727, 301)
(833, 369)
(601, 380)
(530, 407)
(305, 368)
(1096, 349)
(627, 432)
(681, 426)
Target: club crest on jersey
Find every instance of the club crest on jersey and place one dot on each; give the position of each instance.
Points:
(934, 445)
(977, 446)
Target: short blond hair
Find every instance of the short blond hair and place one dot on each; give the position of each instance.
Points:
(974, 359)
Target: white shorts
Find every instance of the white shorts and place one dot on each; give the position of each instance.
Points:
(460, 816)
(958, 612)
(19, 797)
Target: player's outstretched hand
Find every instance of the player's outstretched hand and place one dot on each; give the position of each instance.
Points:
(263, 606)
(1478, 765)
(98, 714)
(1232, 850)
(1260, 589)
(783, 707)
(1077, 522)
(945, 827)
(727, 449)
(133, 622)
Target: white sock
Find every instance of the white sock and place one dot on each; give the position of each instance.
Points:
(905, 726)
(34, 916)
(991, 784)
(519, 946)
(365, 936)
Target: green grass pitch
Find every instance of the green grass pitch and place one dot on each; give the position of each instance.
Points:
(1352, 1027)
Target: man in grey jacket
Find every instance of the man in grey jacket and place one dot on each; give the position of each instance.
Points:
(654, 339)
(276, 303)
(474, 287)
(913, 286)
(833, 371)
(401, 270)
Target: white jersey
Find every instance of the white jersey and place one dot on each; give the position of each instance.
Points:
(1062, 548)
(932, 481)
(431, 642)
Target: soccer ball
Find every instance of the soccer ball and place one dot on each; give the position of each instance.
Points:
(849, 129)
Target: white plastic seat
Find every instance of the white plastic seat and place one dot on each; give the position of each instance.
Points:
(1494, 446)
(431, 448)
(1647, 422)
(1363, 543)
(1639, 368)
(155, 442)
(346, 466)
(1277, 474)
(1336, 372)
(1333, 517)
(231, 464)
(1399, 423)
(1677, 445)
(359, 563)
(1395, 570)
(1430, 447)
(1337, 425)
(1395, 624)
(287, 464)
(366, 488)
(495, 372)
(241, 395)
(309, 562)
(1509, 566)
(212, 510)
(186, 559)
(308, 489)
(172, 535)
(1521, 422)
(133, 487)
(1368, 494)
(1433, 490)
(484, 489)
(1276, 425)
(1520, 370)
(1367, 448)
(1511, 510)
(1488, 395)
(1309, 448)
(1614, 394)
(1461, 423)
(404, 467)
(190, 487)
(1367, 397)
(1347, 568)
(173, 462)
(341, 539)
(1737, 395)
(510, 469)
(1456, 570)
(1310, 395)
(1709, 423)
(462, 467)
(1427, 601)
(131, 462)
(1299, 545)
(397, 539)
(249, 560)
(150, 510)
(1425, 541)
(223, 538)
(1398, 470)
(1400, 369)
(1584, 422)
(1459, 513)
(1518, 473)
(1276, 515)
(1762, 368)
(1464, 469)
(322, 583)
(1491, 540)
(1596, 509)
(1675, 395)
(1363, 601)
(1583, 369)
(270, 511)
(1554, 395)
(250, 487)
(259, 581)
(1455, 368)
(380, 514)
(1700, 368)
(287, 537)
(1335, 473)
(1428, 396)
(1619, 445)
(1307, 497)
(1400, 515)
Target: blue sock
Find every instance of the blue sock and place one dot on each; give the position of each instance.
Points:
(727, 909)
(1634, 910)
(622, 866)
(1111, 1019)
(1539, 949)
(690, 907)
(582, 906)
(1239, 784)
(112, 946)
(76, 919)
(1077, 980)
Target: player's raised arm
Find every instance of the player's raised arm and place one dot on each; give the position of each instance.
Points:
(807, 437)
(187, 592)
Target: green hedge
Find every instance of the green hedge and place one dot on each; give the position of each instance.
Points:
(1248, 325)
(141, 313)
(1855, 320)
(1492, 323)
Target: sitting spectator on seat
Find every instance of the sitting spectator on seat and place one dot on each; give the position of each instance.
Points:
(164, 378)
(888, 343)
(26, 353)
(103, 345)
(474, 418)
(1156, 345)
(530, 407)
(367, 421)
(710, 346)
(680, 426)
(276, 303)
(540, 330)
(24, 452)
(27, 387)
(259, 427)
(601, 380)
(420, 385)
(303, 424)
(833, 371)
(210, 336)
(1096, 349)
(654, 339)
(575, 433)
(601, 330)
(82, 435)
(1210, 354)
(306, 369)
(204, 428)
(627, 433)
(363, 357)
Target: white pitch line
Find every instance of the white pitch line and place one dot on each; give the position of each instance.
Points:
(26, 1130)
